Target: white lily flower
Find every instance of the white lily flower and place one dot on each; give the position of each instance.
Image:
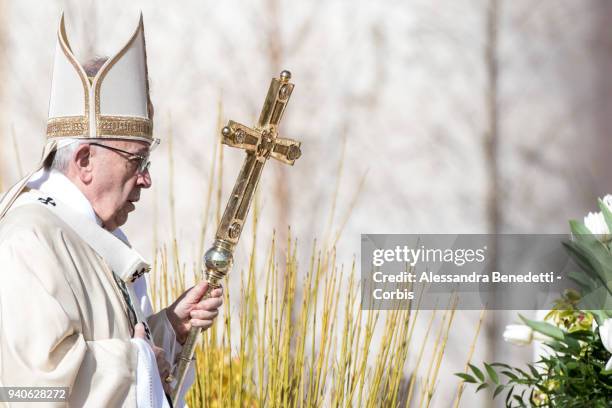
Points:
(596, 223)
(608, 201)
(605, 333)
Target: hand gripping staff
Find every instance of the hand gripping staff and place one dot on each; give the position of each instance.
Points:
(260, 143)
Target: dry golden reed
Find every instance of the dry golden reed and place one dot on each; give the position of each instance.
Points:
(307, 347)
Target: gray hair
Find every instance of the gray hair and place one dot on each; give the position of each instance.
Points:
(63, 155)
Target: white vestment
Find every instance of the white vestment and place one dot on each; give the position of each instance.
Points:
(64, 320)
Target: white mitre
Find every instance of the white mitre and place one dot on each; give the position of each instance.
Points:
(112, 105)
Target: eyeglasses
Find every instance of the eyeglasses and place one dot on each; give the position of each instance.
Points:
(143, 161)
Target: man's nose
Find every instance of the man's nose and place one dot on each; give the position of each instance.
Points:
(144, 179)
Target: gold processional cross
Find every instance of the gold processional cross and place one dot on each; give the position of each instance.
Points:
(260, 143)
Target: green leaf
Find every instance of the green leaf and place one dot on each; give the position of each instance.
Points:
(594, 258)
(583, 279)
(524, 374)
(466, 377)
(498, 390)
(586, 261)
(596, 299)
(509, 395)
(533, 370)
(579, 229)
(544, 328)
(478, 373)
(573, 345)
(510, 375)
(492, 373)
(482, 387)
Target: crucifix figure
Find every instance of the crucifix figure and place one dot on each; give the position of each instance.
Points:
(261, 143)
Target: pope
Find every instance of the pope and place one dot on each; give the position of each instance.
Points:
(74, 309)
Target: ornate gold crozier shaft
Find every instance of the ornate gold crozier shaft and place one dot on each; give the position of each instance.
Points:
(260, 143)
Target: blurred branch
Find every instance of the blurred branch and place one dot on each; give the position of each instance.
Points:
(491, 143)
(491, 140)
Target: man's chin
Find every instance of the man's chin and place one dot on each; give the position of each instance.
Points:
(118, 220)
(121, 219)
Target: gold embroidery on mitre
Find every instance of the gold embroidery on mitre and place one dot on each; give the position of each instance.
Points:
(123, 126)
(67, 126)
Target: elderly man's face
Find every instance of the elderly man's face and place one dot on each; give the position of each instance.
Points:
(118, 181)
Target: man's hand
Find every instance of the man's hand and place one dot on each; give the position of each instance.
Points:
(160, 356)
(189, 310)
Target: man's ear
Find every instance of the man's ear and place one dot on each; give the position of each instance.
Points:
(81, 163)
